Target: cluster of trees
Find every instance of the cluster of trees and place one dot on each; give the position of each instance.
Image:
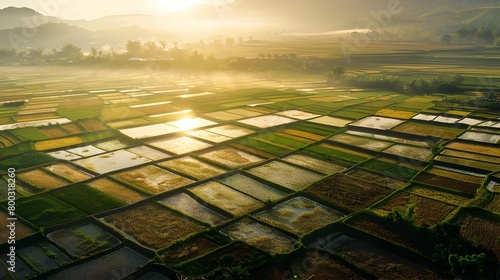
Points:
(384, 82)
(474, 35)
(420, 86)
(38, 56)
(439, 84)
(147, 49)
(451, 253)
(157, 51)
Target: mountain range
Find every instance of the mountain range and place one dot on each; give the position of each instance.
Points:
(24, 27)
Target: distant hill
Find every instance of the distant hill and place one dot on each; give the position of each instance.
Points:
(251, 17)
(12, 17)
(55, 35)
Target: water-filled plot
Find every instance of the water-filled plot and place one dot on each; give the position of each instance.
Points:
(84, 240)
(418, 153)
(261, 236)
(69, 172)
(188, 205)
(313, 163)
(226, 198)
(149, 131)
(361, 142)
(231, 157)
(117, 190)
(470, 121)
(152, 179)
(377, 123)
(112, 145)
(209, 136)
(111, 161)
(192, 123)
(481, 137)
(297, 114)
(23, 271)
(43, 256)
(147, 152)
(64, 155)
(120, 262)
(267, 121)
(231, 131)
(193, 167)
(253, 187)
(299, 215)
(86, 151)
(153, 225)
(443, 119)
(179, 144)
(286, 175)
(424, 117)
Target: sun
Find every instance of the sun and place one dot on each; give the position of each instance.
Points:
(178, 5)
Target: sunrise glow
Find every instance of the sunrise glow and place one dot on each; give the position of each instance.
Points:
(178, 5)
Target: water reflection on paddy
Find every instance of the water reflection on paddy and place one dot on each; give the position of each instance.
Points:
(111, 161)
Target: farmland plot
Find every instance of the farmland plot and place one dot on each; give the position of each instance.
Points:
(481, 229)
(426, 211)
(253, 188)
(117, 190)
(84, 240)
(153, 225)
(285, 175)
(261, 236)
(226, 198)
(299, 215)
(152, 179)
(193, 167)
(230, 157)
(377, 123)
(179, 144)
(349, 192)
(124, 260)
(188, 205)
(315, 164)
(111, 161)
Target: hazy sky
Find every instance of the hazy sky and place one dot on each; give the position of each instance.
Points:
(91, 9)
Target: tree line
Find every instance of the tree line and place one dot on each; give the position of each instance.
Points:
(419, 86)
(158, 52)
(487, 35)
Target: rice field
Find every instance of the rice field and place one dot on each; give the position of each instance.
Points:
(261, 236)
(152, 179)
(226, 198)
(299, 215)
(188, 205)
(179, 144)
(253, 188)
(286, 175)
(112, 161)
(180, 177)
(192, 167)
(231, 158)
(381, 123)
